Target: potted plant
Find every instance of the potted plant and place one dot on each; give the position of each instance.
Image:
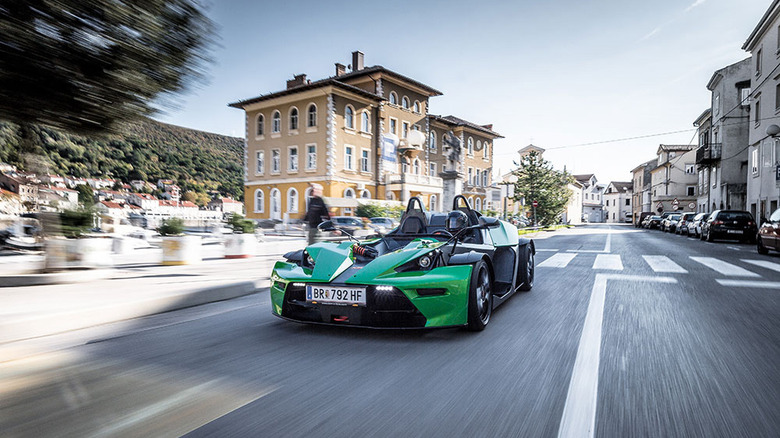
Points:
(178, 249)
(71, 245)
(242, 243)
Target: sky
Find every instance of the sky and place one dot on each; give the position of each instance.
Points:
(577, 78)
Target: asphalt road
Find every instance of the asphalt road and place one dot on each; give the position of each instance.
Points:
(627, 333)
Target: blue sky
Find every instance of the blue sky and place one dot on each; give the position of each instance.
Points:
(556, 73)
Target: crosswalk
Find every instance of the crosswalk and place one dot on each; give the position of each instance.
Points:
(661, 264)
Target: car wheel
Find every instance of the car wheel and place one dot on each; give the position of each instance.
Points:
(526, 268)
(480, 297)
(760, 247)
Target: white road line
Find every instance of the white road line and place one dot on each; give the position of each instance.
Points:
(749, 283)
(579, 412)
(764, 264)
(734, 248)
(724, 268)
(663, 264)
(608, 261)
(608, 245)
(546, 250)
(559, 260)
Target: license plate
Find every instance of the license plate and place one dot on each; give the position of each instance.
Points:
(336, 294)
(735, 231)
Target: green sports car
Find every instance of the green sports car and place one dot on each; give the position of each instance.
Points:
(433, 270)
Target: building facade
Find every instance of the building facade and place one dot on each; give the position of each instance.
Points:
(642, 182)
(723, 130)
(617, 202)
(333, 132)
(763, 167)
(674, 179)
(592, 198)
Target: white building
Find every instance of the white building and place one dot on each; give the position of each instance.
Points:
(592, 198)
(674, 180)
(617, 201)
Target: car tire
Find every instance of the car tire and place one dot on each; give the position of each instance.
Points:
(760, 247)
(526, 268)
(480, 297)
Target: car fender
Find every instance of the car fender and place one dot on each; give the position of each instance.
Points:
(525, 241)
(470, 258)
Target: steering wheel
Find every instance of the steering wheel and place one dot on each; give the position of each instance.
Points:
(442, 232)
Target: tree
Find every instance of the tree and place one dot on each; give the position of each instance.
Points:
(538, 181)
(85, 66)
(86, 195)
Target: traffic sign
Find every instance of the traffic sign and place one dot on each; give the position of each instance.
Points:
(675, 202)
(536, 204)
(660, 205)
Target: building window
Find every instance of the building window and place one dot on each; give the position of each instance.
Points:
(312, 116)
(744, 95)
(485, 178)
(757, 118)
(758, 62)
(416, 166)
(306, 197)
(260, 162)
(294, 119)
(393, 98)
(433, 206)
(293, 159)
(349, 158)
(404, 129)
(432, 169)
(754, 161)
(259, 201)
(716, 103)
(478, 204)
(260, 125)
(628, 202)
(364, 124)
(349, 193)
(276, 164)
(690, 169)
(349, 117)
(292, 201)
(777, 97)
(432, 142)
(766, 154)
(311, 157)
(364, 164)
(365, 194)
(471, 147)
(394, 126)
(471, 202)
(405, 102)
(416, 107)
(471, 176)
(485, 150)
(276, 124)
(276, 204)
(691, 191)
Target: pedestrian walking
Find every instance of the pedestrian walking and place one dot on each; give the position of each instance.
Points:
(317, 212)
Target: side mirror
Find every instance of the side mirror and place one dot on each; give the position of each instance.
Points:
(489, 222)
(326, 226)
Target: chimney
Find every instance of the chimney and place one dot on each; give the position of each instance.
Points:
(296, 81)
(357, 60)
(340, 69)
(490, 126)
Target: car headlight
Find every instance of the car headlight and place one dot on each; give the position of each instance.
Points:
(424, 261)
(309, 259)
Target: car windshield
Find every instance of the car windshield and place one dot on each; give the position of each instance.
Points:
(734, 216)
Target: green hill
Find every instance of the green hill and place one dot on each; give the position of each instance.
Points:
(197, 161)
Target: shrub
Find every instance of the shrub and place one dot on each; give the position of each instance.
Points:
(75, 223)
(241, 225)
(171, 227)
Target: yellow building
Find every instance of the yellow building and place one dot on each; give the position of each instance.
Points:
(331, 132)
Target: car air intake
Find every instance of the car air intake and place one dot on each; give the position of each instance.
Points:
(431, 292)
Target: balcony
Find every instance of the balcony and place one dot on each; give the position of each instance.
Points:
(421, 183)
(708, 153)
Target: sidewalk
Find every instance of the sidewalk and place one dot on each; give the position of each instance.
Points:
(136, 286)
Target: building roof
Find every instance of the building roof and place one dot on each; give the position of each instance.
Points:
(762, 26)
(676, 147)
(650, 163)
(229, 201)
(146, 196)
(706, 114)
(622, 186)
(309, 86)
(530, 148)
(457, 121)
(378, 68)
(110, 204)
(583, 178)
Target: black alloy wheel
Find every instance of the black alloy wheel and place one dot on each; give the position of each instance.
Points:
(526, 268)
(480, 297)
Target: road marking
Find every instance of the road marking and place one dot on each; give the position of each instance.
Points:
(579, 411)
(608, 245)
(724, 268)
(608, 261)
(546, 250)
(748, 283)
(734, 248)
(663, 264)
(559, 260)
(764, 264)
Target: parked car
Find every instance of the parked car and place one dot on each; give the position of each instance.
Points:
(694, 228)
(349, 224)
(769, 234)
(729, 224)
(641, 219)
(652, 222)
(670, 223)
(382, 224)
(684, 223)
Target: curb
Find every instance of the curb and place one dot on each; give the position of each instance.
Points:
(50, 324)
(75, 276)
